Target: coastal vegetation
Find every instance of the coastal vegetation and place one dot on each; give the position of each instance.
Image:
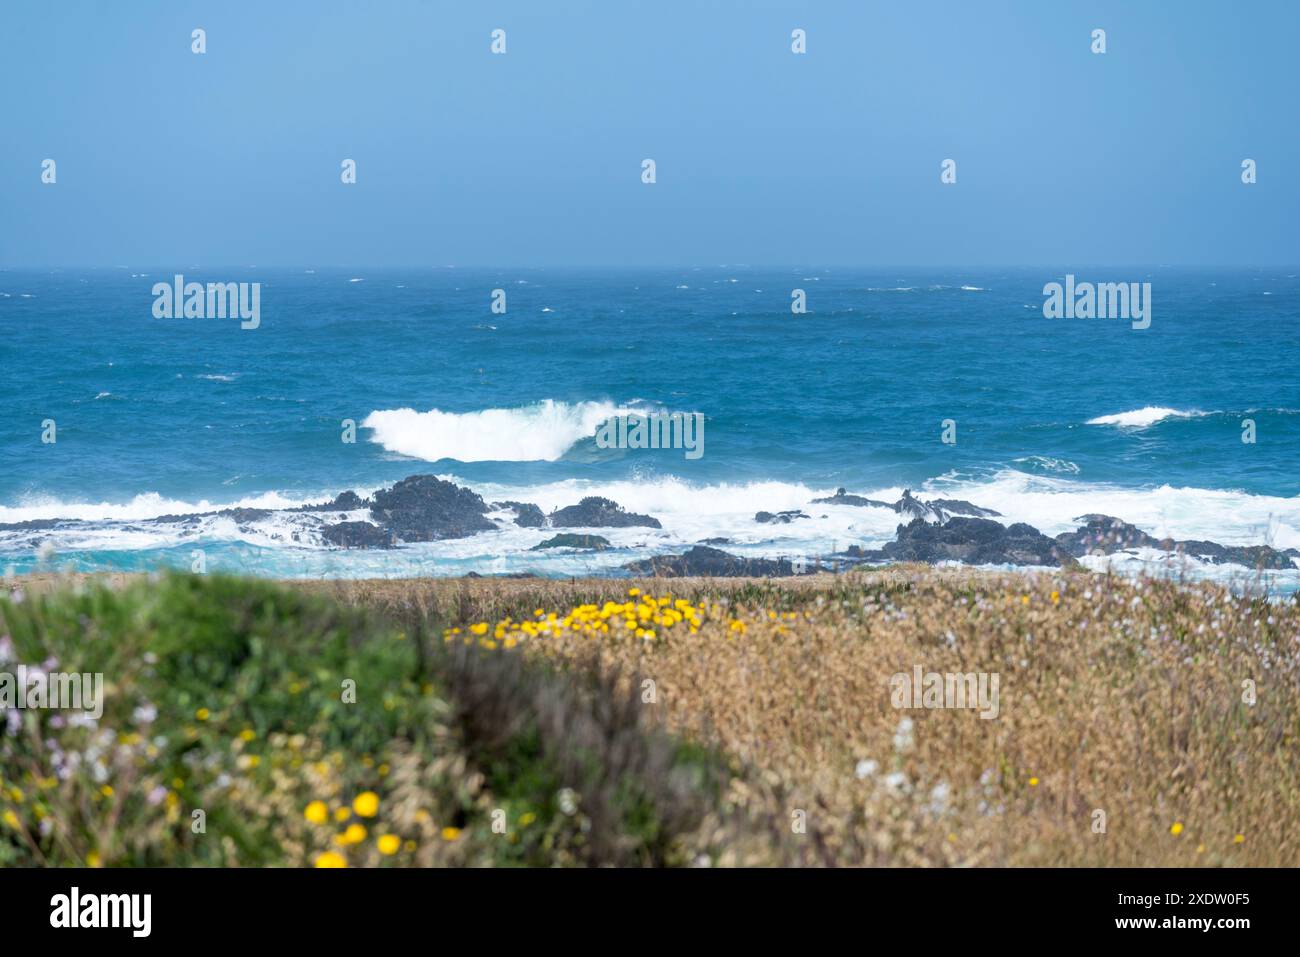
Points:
(653, 722)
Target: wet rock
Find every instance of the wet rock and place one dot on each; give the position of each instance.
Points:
(974, 541)
(957, 506)
(571, 540)
(911, 507)
(39, 524)
(1105, 535)
(712, 563)
(1102, 535)
(596, 512)
(243, 516)
(343, 502)
(841, 497)
(424, 508)
(527, 515)
(779, 518)
(357, 535)
(1252, 556)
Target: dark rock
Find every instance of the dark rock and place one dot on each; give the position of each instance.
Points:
(243, 516)
(343, 502)
(915, 508)
(39, 524)
(596, 512)
(842, 497)
(714, 541)
(357, 535)
(956, 506)
(1252, 556)
(1105, 535)
(710, 562)
(424, 508)
(1102, 535)
(974, 541)
(932, 510)
(570, 540)
(527, 515)
(192, 519)
(780, 518)
(857, 551)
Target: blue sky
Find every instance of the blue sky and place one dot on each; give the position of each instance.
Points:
(534, 158)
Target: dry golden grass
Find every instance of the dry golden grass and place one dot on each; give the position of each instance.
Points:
(1116, 697)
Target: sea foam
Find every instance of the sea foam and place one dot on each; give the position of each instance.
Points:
(1141, 418)
(541, 432)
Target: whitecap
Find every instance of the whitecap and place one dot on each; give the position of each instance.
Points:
(1143, 417)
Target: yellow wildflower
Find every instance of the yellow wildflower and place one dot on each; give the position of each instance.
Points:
(366, 804)
(355, 834)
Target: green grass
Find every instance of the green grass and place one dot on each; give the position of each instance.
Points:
(230, 697)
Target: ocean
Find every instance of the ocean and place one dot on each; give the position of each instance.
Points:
(1052, 418)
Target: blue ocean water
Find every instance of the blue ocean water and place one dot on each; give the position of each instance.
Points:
(1055, 418)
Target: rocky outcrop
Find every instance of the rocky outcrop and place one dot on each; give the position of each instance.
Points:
(932, 510)
(973, 541)
(1105, 535)
(841, 497)
(527, 515)
(571, 540)
(711, 563)
(424, 508)
(596, 512)
(911, 508)
(1102, 535)
(957, 506)
(343, 502)
(357, 535)
(779, 518)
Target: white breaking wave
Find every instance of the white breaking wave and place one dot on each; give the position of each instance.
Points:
(143, 506)
(1052, 503)
(1141, 418)
(689, 513)
(541, 432)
